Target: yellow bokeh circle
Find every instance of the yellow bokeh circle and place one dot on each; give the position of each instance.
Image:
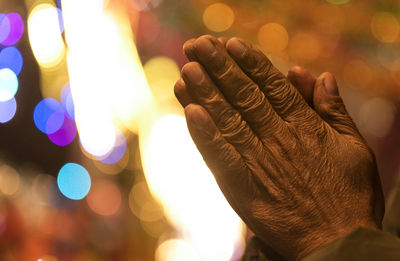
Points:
(273, 37)
(218, 17)
(385, 27)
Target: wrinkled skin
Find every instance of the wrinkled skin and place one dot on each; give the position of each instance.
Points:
(291, 162)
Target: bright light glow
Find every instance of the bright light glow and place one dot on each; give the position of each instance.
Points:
(117, 152)
(67, 102)
(104, 198)
(16, 29)
(161, 74)
(45, 35)
(73, 180)
(11, 58)
(9, 180)
(218, 17)
(8, 84)
(178, 177)
(108, 91)
(176, 250)
(48, 116)
(7, 110)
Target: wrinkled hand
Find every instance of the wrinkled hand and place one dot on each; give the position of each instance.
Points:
(290, 162)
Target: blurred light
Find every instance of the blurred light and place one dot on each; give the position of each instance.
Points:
(177, 176)
(357, 74)
(387, 54)
(176, 250)
(8, 84)
(104, 198)
(48, 258)
(2, 224)
(4, 27)
(218, 17)
(48, 116)
(385, 27)
(16, 29)
(42, 187)
(395, 71)
(338, 2)
(117, 152)
(142, 203)
(67, 102)
(149, 28)
(73, 180)
(7, 110)
(65, 134)
(45, 35)
(161, 74)
(115, 168)
(144, 5)
(9, 180)
(11, 58)
(305, 47)
(273, 37)
(377, 116)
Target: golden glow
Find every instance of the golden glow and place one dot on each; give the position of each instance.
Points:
(176, 250)
(143, 205)
(107, 80)
(9, 180)
(178, 177)
(385, 27)
(161, 74)
(357, 74)
(218, 17)
(304, 47)
(273, 37)
(45, 35)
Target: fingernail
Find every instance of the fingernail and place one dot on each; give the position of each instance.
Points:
(205, 46)
(331, 85)
(237, 48)
(194, 73)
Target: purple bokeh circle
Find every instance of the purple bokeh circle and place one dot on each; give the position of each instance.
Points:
(16, 29)
(66, 134)
(4, 27)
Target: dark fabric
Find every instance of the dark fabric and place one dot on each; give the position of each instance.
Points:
(361, 244)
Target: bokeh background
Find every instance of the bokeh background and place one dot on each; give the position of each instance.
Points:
(96, 162)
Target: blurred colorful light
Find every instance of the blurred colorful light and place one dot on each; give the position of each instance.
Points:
(16, 29)
(65, 134)
(8, 84)
(117, 152)
(48, 116)
(385, 27)
(45, 35)
(7, 110)
(338, 2)
(176, 250)
(4, 27)
(67, 102)
(144, 5)
(74, 181)
(11, 58)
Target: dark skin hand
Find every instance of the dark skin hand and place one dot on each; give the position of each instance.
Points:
(291, 162)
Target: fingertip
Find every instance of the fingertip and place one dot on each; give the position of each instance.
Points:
(182, 94)
(192, 72)
(196, 116)
(223, 40)
(328, 81)
(188, 49)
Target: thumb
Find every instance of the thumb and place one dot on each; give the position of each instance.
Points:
(329, 105)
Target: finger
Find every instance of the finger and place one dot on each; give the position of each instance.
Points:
(223, 40)
(188, 49)
(284, 98)
(304, 82)
(222, 158)
(228, 120)
(329, 105)
(182, 94)
(237, 87)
